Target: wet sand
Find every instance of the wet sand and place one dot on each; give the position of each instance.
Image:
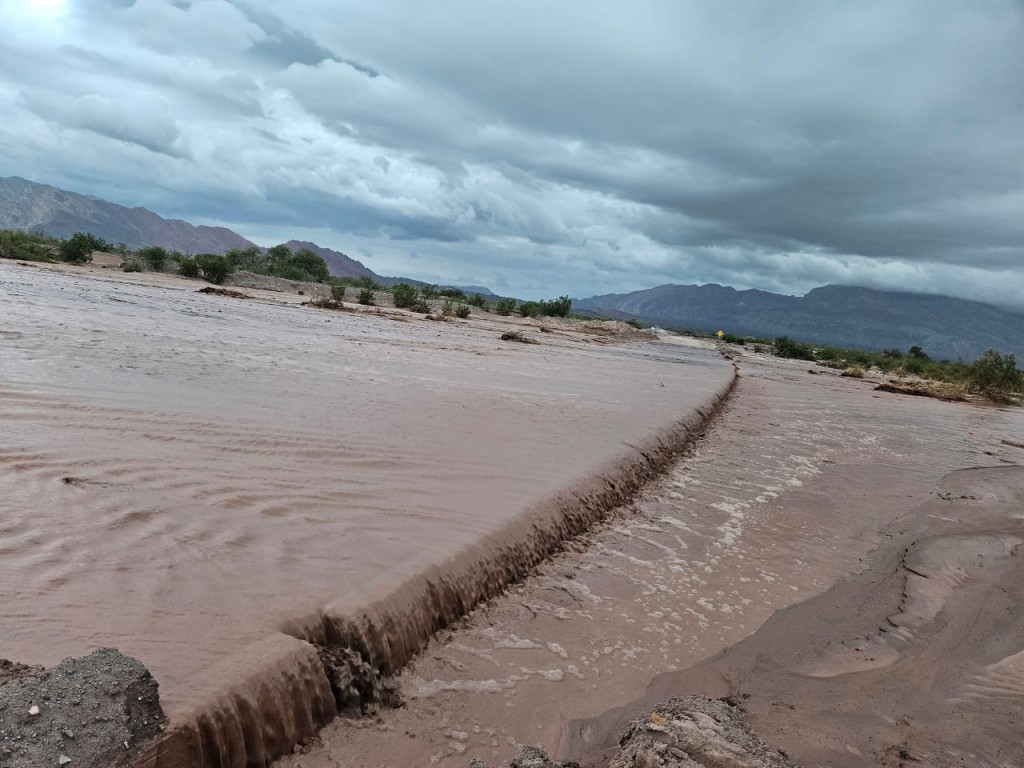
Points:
(183, 476)
(781, 536)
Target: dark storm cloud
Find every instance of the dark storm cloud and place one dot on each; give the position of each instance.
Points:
(599, 147)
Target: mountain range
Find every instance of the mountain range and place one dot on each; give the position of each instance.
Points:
(842, 315)
(944, 327)
(41, 208)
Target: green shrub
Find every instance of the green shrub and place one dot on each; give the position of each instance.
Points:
(448, 308)
(462, 310)
(453, 293)
(154, 256)
(214, 268)
(786, 347)
(421, 306)
(338, 291)
(530, 309)
(187, 267)
(995, 374)
(476, 300)
(366, 297)
(404, 295)
(78, 248)
(428, 291)
(28, 246)
(556, 307)
(505, 306)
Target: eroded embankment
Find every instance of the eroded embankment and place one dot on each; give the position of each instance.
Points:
(335, 661)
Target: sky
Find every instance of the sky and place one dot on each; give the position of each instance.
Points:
(543, 148)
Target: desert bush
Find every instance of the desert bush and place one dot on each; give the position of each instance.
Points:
(153, 256)
(462, 310)
(78, 248)
(28, 246)
(448, 308)
(404, 295)
(453, 293)
(130, 265)
(505, 306)
(853, 372)
(556, 307)
(731, 338)
(786, 347)
(366, 297)
(421, 306)
(476, 300)
(187, 267)
(995, 374)
(428, 291)
(214, 268)
(338, 291)
(530, 309)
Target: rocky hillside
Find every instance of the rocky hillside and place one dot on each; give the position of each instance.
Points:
(845, 316)
(27, 205)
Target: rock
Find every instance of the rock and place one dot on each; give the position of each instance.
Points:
(694, 732)
(687, 732)
(63, 760)
(33, 710)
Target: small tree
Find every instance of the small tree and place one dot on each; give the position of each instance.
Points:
(462, 310)
(78, 248)
(311, 263)
(995, 374)
(154, 256)
(505, 306)
(366, 296)
(404, 295)
(187, 267)
(530, 309)
(214, 268)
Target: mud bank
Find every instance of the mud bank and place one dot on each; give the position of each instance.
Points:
(243, 495)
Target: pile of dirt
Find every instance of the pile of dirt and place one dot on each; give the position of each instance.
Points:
(685, 732)
(85, 712)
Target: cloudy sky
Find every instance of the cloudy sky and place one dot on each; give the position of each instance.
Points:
(540, 148)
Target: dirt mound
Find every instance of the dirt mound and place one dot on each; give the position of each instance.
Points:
(90, 711)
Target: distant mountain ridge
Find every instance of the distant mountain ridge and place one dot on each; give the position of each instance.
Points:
(833, 314)
(57, 212)
(27, 205)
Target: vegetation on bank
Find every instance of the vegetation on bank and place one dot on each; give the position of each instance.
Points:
(993, 374)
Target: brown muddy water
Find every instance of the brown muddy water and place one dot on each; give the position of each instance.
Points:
(804, 483)
(183, 476)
